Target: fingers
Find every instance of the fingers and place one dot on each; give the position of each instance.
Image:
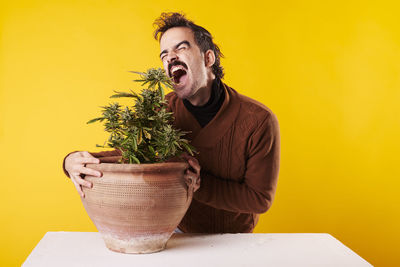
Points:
(78, 187)
(195, 165)
(88, 171)
(192, 175)
(77, 159)
(192, 180)
(79, 170)
(75, 165)
(84, 160)
(82, 182)
(87, 154)
(193, 162)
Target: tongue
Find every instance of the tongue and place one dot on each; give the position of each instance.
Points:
(182, 79)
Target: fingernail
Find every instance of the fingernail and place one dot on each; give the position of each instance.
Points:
(99, 174)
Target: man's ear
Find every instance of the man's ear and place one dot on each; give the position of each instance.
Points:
(209, 58)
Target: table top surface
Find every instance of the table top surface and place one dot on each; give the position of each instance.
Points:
(88, 249)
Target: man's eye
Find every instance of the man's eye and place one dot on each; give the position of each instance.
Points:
(181, 48)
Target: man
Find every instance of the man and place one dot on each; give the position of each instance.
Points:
(237, 138)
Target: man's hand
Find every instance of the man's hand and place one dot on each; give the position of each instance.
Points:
(192, 175)
(75, 165)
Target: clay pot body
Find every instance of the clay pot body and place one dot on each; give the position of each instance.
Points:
(137, 207)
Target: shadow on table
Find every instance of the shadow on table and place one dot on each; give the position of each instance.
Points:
(188, 241)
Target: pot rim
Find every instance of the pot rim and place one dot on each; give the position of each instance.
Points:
(142, 167)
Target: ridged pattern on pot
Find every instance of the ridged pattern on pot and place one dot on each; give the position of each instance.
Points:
(136, 207)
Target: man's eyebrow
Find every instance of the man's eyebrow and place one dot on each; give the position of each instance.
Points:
(176, 46)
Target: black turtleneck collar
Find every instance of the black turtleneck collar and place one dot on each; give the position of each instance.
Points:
(204, 114)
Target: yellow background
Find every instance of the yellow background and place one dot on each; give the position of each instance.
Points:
(330, 71)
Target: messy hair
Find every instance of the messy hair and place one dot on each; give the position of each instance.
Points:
(202, 37)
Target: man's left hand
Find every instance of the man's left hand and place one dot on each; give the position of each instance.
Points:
(192, 174)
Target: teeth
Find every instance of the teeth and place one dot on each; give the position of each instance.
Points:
(175, 68)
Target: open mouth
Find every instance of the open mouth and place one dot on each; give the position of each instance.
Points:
(178, 74)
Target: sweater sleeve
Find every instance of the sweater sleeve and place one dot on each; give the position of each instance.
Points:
(256, 192)
(104, 156)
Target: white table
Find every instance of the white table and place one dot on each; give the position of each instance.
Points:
(88, 249)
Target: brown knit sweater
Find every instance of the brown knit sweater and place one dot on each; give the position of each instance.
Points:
(239, 154)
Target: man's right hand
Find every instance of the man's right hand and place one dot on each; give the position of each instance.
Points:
(75, 165)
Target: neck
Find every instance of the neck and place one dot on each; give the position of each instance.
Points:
(202, 95)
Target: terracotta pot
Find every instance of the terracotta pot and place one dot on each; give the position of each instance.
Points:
(137, 207)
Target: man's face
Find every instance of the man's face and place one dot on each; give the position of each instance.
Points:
(183, 61)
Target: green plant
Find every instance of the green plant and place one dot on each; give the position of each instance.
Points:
(144, 131)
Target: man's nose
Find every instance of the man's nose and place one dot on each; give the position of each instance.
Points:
(172, 56)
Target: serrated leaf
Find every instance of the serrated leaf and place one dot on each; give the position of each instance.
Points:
(134, 142)
(140, 73)
(176, 143)
(151, 149)
(167, 85)
(152, 83)
(161, 91)
(122, 94)
(139, 137)
(188, 149)
(134, 159)
(94, 120)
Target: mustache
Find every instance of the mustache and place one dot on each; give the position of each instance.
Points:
(176, 63)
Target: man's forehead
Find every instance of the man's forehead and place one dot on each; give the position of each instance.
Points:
(174, 36)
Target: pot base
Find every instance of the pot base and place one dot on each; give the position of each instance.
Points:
(136, 207)
(137, 245)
